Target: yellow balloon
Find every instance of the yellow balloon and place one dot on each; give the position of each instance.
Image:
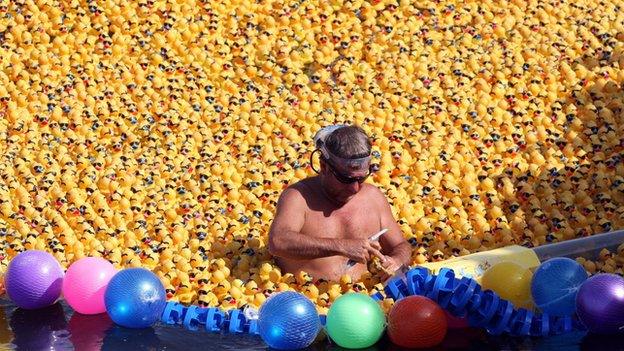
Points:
(511, 282)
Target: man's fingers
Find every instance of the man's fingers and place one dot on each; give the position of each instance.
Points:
(387, 262)
(366, 257)
(376, 245)
(377, 253)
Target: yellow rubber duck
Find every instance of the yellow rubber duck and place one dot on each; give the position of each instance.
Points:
(185, 294)
(208, 300)
(311, 291)
(334, 291)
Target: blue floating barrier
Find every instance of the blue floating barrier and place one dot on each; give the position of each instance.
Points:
(396, 289)
(486, 309)
(215, 319)
(464, 290)
(500, 321)
(418, 281)
(520, 322)
(173, 313)
(443, 288)
(323, 319)
(378, 296)
(237, 321)
(252, 327)
(195, 317)
(561, 325)
(540, 325)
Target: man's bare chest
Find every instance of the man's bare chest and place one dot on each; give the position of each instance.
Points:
(351, 223)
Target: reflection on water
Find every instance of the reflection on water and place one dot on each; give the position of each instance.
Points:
(120, 338)
(43, 329)
(49, 329)
(87, 332)
(602, 342)
(5, 332)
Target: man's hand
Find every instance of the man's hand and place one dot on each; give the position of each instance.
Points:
(360, 250)
(390, 265)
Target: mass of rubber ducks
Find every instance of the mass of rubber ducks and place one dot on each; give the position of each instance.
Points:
(160, 133)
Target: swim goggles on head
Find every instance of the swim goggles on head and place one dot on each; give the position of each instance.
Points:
(333, 160)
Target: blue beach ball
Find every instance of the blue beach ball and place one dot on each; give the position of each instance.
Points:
(288, 321)
(135, 298)
(555, 285)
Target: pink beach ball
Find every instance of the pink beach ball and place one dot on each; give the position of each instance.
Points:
(85, 283)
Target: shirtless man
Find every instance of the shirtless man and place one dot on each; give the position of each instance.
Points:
(324, 221)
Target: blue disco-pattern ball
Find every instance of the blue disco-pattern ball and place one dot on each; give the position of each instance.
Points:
(288, 321)
(135, 298)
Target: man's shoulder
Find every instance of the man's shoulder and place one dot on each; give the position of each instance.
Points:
(299, 190)
(373, 191)
(373, 194)
(303, 185)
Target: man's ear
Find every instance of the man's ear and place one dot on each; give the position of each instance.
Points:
(323, 164)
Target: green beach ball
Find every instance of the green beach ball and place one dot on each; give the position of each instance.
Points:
(355, 321)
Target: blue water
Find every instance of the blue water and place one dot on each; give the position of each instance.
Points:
(59, 328)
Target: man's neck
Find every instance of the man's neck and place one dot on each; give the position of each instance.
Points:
(327, 196)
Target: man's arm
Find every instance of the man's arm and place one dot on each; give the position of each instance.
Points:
(286, 240)
(393, 244)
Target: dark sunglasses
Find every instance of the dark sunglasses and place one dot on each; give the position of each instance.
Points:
(345, 179)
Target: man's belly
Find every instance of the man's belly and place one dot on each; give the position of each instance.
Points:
(329, 268)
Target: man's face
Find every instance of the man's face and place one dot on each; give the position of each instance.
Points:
(343, 182)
